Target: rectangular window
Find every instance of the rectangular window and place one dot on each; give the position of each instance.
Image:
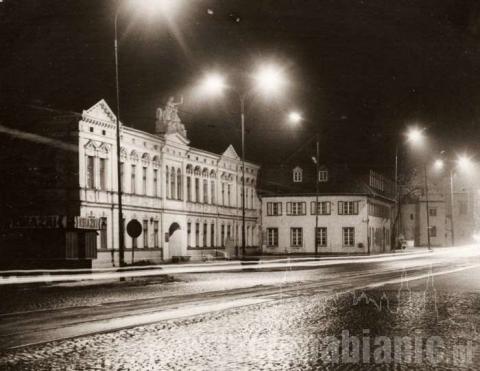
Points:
(144, 180)
(197, 234)
(155, 182)
(122, 176)
(103, 173)
(347, 207)
(90, 172)
(197, 190)
(179, 185)
(323, 176)
(212, 235)
(205, 191)
(133, 179)
(296, 208)
(189, 189)
(272, 237)
(432, 211)
(321, 236)
(103, 234)
(223, 194)
(348, 236)
(296, 237)
(433, 231)
(228, 194)
(145, 233)
(274, 208)
(205, 234)
(212, 192)
(222, 235)
(155, 234)
(323, 208)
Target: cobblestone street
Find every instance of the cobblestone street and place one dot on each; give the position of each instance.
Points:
(288, 333)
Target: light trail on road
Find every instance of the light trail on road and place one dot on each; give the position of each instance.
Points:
(51, 276)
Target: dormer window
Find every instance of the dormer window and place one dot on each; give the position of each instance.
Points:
(297, 175)
(323, 176)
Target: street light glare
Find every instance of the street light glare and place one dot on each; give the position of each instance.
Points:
(294, 117)
(213, 84)
(270, 78)
(166, 7)
(438, 164)
(415, 135)
(464, 162)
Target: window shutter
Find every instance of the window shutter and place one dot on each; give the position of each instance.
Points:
(312, 208)
(280, 208)
(355, 207)
(269, 208)
(303, 210)
(328, 207)
(340, 207)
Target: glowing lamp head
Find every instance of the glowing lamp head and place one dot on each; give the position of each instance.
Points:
(415, 135)
(165, 7)
(294, 117)
(213, 84)
(270, 79)
(464, 162)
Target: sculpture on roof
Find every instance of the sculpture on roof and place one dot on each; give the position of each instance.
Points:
(167, 119)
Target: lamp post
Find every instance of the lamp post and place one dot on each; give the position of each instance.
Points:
(296, 117)
(268, 78)
(464, 163)
(414, 135)
(150, 6)
(121, 235)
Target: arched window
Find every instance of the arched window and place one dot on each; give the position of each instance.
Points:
(297, 175)
(172, 183)
(167, 180)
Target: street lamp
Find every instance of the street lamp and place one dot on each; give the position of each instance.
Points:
(414, 136)
(148, 6)
(269, 79)
(295, 117)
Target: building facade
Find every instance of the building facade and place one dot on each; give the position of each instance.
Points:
(187, 200)
(413, 211)
(350, 214)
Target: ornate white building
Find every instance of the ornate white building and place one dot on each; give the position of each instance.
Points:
(188, 200)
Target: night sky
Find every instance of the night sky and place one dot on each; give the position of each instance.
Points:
(381, 64)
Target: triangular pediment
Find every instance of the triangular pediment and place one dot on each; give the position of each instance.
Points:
(231, 153)
(176, 138)
(101, 111)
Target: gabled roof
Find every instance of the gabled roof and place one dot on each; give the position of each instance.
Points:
(231, 153)
(101, 111)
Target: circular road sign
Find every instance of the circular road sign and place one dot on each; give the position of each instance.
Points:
(134, 228)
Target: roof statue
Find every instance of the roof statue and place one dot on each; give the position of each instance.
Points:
(167, 120)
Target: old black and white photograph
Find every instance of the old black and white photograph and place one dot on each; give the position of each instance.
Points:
(239, 185)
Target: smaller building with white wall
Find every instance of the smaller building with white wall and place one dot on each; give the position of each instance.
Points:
(350, 214)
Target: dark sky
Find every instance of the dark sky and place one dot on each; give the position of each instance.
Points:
(383, 64)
